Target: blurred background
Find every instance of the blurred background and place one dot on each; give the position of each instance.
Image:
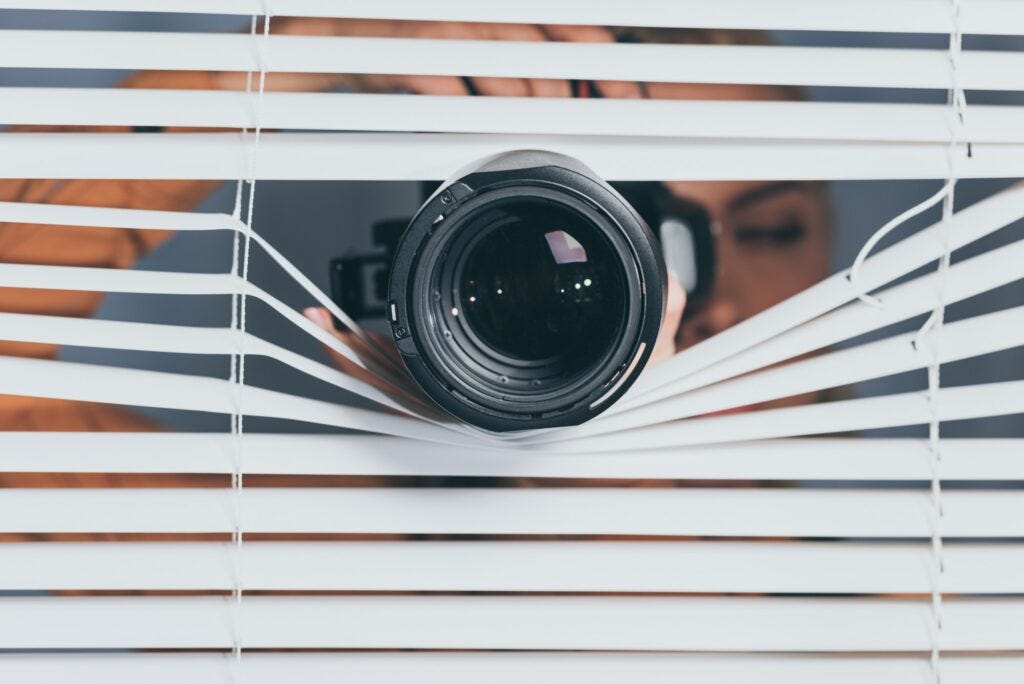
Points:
(312, 222)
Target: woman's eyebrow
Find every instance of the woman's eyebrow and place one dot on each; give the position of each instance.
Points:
(763, 192)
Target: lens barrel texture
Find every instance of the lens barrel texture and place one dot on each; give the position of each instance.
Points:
(526, 293)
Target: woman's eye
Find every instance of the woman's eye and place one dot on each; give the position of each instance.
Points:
(770, 236)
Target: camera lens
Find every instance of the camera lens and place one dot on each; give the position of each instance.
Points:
(526, 293)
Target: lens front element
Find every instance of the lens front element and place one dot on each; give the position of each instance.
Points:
(540, 287)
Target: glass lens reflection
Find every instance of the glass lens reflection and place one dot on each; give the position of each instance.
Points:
(543, 282)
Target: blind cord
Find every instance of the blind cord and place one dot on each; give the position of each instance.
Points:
(236, 212)
(929, 334)
(958, 102)
(237, 480)
(389, 366)
(854, 275)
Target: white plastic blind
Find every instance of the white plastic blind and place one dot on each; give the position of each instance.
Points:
(656, 543)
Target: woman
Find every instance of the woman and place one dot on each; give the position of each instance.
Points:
(772, 239)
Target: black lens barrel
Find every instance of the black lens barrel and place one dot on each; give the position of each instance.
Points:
(526, 293)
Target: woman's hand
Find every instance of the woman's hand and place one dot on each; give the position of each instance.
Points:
(382, 346)
(665, 346)
(432, 85)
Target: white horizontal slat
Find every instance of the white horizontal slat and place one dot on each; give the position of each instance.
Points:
(972, 337)
(753, 64)
(966, 226)
(850, 415)
(508, 668)
(123, 280)
(796, 459)
(511, 622)
(116, 217)
(576, 566)
(133, 387)
(177, 339)
(904, 16)
(763, 120)
(429, 156)
(602, 511)
(964, 279)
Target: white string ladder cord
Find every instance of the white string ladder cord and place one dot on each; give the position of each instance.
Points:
(388, 368)
(958, 103)
(238, 315)
(928, 334)
(237, 214)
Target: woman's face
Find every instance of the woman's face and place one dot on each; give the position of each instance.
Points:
(772, 237)
(771, 242)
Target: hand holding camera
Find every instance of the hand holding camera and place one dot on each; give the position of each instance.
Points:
(433, 85)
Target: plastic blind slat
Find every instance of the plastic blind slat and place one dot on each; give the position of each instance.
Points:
(795, 459)
(845, 67)
(428, 156)
(564, 566)
(511, 622)
(725, 512)
(926, 16)
(510, 668)
(518, 115)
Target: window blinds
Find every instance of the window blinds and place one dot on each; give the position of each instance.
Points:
(911, 16)
(745, 554)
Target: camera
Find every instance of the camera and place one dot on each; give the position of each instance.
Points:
(527, 292)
